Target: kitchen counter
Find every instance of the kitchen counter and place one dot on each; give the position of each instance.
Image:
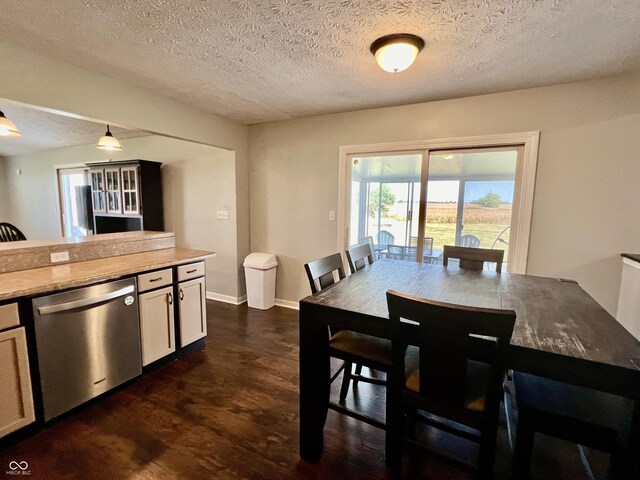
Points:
(632, 256)
(41, 280)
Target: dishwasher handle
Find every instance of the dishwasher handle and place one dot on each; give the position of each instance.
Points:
(85, 302)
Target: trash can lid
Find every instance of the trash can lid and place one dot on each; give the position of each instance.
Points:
(261, 261)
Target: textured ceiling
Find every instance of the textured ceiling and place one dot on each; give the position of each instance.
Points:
(42, 130)
(265, 60)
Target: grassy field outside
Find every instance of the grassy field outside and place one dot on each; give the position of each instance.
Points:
(445, 234)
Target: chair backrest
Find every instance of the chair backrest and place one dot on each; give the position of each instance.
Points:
(359, 257)
(321, 270)
(428, 245)
(385, 238)
(10, 233)
(473, 258)
(442, 333)
(469, 241)
(368, 240)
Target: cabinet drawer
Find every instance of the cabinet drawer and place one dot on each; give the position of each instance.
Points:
(193, 270)
(9, 316)
(157, 279)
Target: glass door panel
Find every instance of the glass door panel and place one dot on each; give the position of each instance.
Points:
(470, 197)
(385, 192)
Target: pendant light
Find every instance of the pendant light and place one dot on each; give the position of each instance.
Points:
(7, 127)
(396, 52)
(109, 142)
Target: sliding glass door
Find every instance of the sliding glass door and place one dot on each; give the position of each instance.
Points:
(409, 205)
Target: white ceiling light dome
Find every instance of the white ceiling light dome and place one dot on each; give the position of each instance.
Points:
(397, 52)
(7, 127)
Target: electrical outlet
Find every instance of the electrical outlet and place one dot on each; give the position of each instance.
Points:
(59, 257)
(222, 214)
(332, 215)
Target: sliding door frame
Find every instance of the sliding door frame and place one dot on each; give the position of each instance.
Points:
(522, 196)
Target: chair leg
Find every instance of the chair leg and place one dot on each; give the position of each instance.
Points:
(487, 452)
(525, 437)
(358, 372)
(411, 419)
(346, 379)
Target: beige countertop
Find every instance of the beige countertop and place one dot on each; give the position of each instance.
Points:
(41, 280)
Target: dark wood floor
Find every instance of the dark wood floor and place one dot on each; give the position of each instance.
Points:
(230, 411)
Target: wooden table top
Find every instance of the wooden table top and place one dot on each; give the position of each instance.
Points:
(554, 317)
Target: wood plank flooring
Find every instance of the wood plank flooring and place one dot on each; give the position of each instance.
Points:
(230, 411)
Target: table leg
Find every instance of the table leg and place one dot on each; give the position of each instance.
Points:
(314, 381)
(627, 464)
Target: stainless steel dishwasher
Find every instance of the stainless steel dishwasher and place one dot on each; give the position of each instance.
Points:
(88, 341)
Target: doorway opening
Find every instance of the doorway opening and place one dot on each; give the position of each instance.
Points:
(76, 211)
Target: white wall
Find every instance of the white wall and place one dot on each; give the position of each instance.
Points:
(197, 180)
(34, 79)
(586, 200)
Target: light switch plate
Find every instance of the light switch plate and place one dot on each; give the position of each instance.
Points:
(222, 214)
(59, 257)
(332, 215)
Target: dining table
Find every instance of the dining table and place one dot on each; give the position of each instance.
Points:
(560, 332)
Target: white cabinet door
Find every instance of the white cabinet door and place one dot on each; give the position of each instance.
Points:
(157, 328)
(16, 398)
(193, 311)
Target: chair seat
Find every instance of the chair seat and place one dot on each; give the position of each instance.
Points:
(372, 349)
(570, 401)
(477, 380)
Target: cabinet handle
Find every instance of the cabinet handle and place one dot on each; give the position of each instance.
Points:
(155, 279)
(170, 298)
(181, 294)
(192, 271)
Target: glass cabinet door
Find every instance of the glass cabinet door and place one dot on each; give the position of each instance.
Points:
(130, 194)
(97, 190)
(113, 190)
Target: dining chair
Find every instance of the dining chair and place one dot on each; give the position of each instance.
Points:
(10, 233)
(350, 347)
(385, 237)
(473, 258)
(400, 252)
(428, 244)
(580, 415)
(440, 378)
(469, 241)
(359, 257)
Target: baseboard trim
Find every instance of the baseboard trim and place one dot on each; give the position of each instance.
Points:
(226, 298)
(287, 304)
(218, 297)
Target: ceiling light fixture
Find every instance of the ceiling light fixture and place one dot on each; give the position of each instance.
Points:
(396, 52)
(7, 127)
(109, 142)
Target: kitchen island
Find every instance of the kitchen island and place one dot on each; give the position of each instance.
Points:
(75, 312)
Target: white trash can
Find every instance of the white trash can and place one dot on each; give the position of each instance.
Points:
(260, 272)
